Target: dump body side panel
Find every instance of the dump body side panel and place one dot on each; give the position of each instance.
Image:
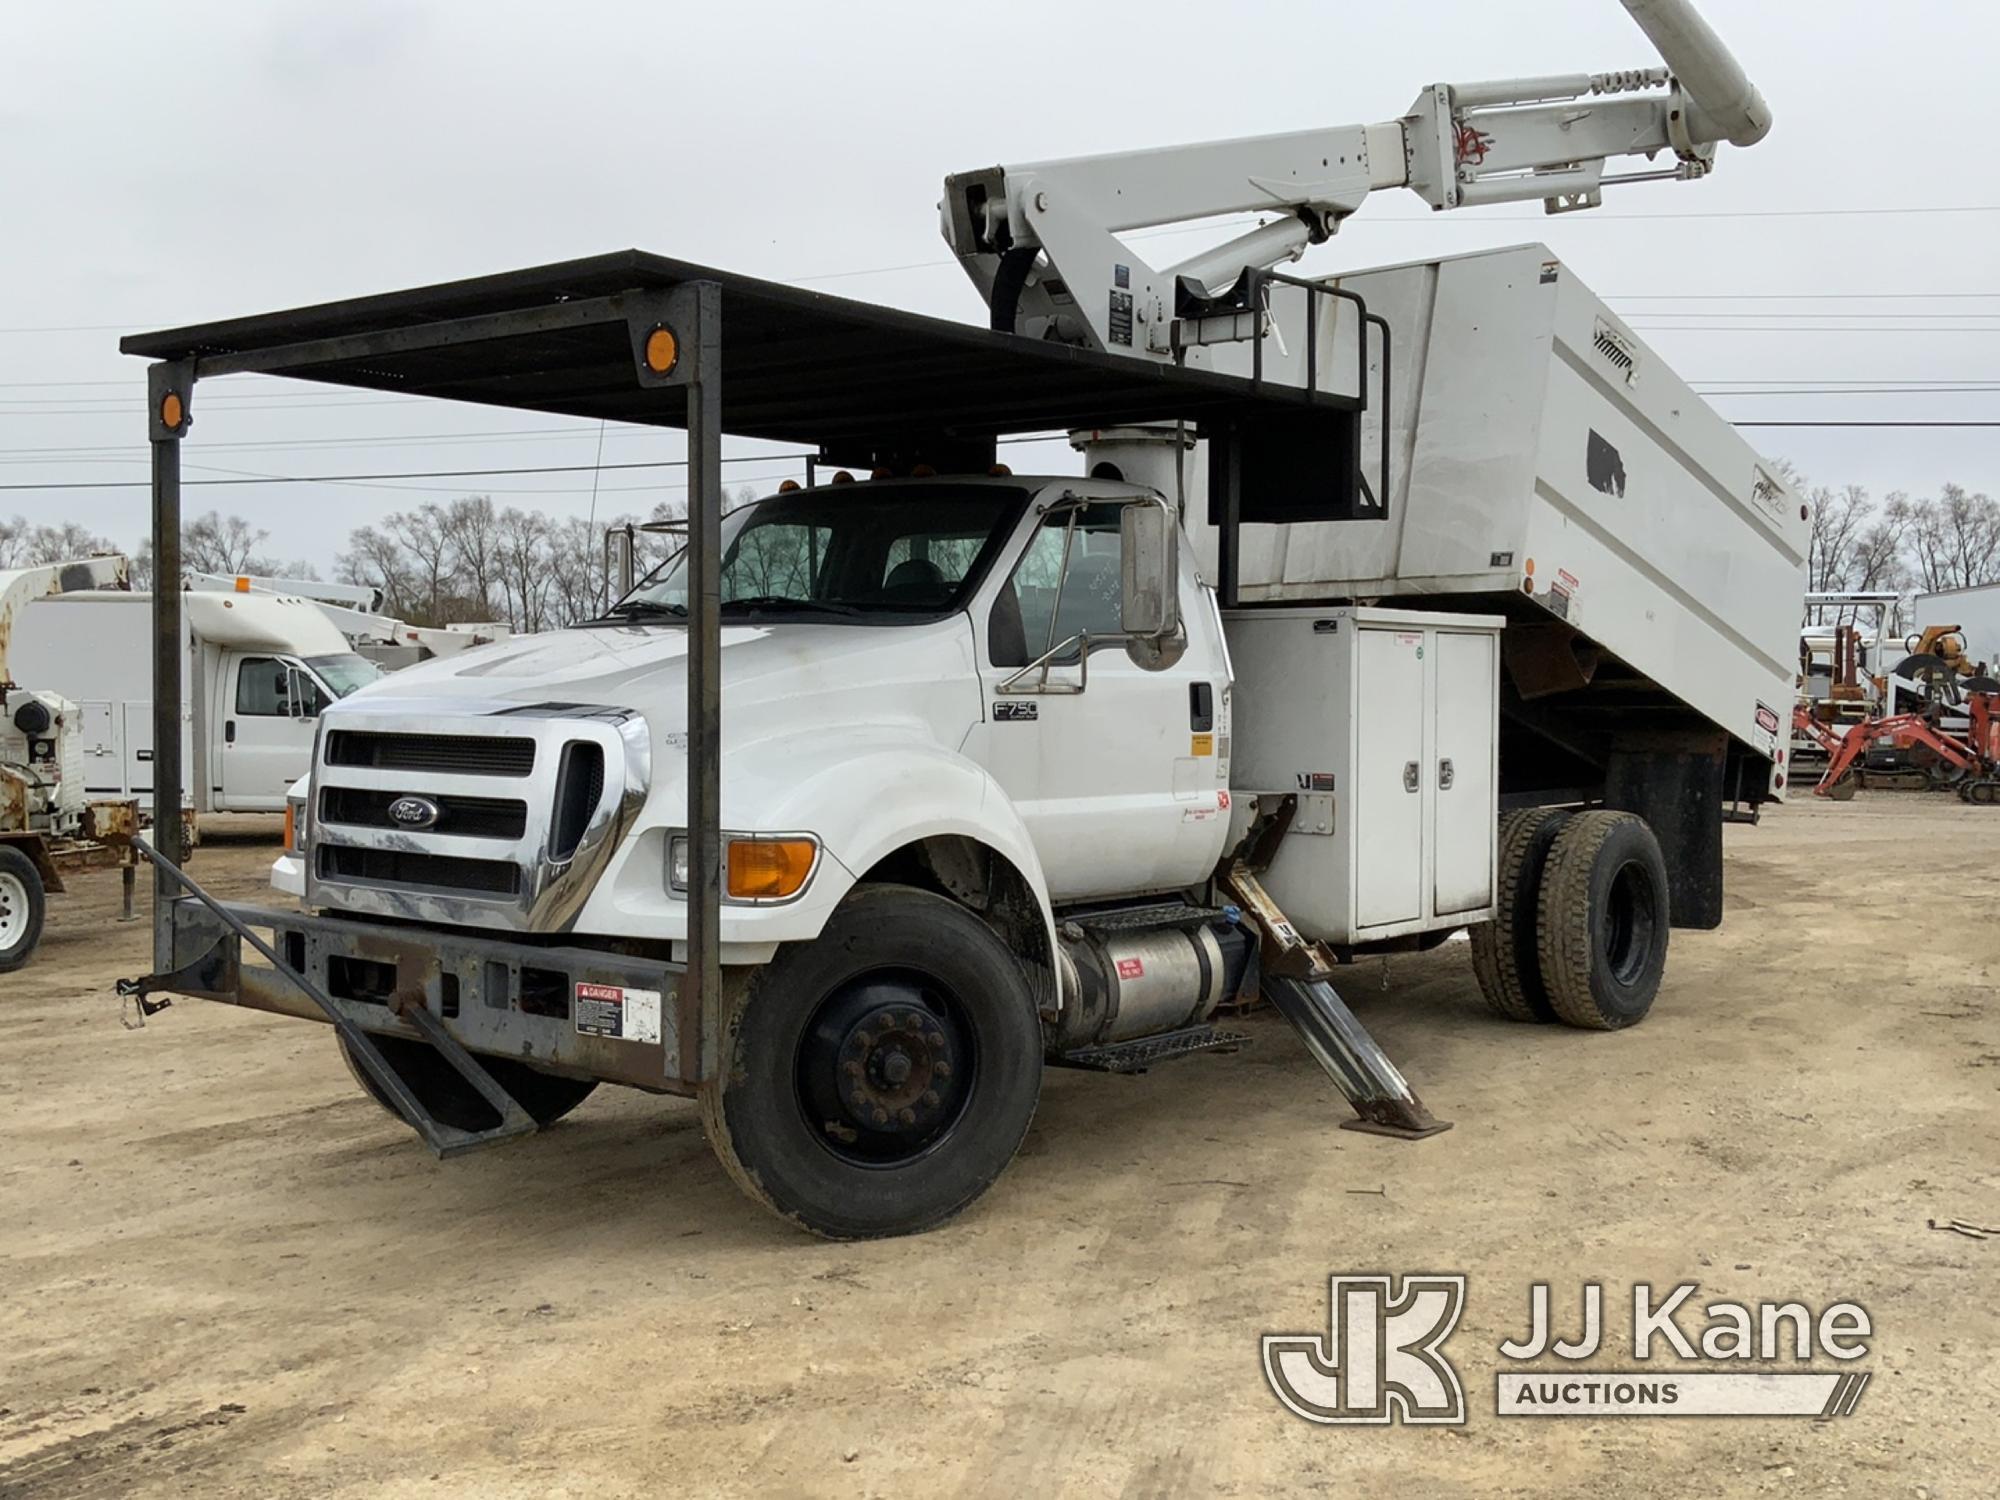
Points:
(1552, 455)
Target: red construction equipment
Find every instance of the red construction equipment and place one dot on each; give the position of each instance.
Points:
(1973, 758)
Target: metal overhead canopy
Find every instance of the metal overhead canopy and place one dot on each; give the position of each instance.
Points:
(637, 338)
(798, 366)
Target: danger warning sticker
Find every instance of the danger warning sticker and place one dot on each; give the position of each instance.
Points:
(612, 1010)
(1131, 968)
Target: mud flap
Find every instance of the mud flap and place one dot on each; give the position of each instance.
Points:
(218, 968)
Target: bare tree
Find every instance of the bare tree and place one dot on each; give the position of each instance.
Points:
(427, 553)
(1955, 539)
(471, 534)
(1838, 519)
(521, 542)
(25, 546)
(214, 543)
(375, 558)
(576, 572)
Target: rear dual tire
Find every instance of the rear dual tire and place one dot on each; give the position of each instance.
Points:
(1580, 931)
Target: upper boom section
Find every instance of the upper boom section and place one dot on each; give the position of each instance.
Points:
(1040, 240)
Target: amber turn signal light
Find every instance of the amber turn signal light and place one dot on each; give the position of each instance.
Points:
(663, 350)
(769, 869)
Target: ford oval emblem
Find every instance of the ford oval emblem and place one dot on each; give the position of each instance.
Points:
(413, 812)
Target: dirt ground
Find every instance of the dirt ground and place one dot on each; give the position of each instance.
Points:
(225, 1272)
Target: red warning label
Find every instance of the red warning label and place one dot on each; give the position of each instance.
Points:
(1131, 968)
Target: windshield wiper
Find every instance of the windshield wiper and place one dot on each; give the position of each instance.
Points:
(635, 608)
(782, 601)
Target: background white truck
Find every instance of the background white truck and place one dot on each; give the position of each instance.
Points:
(882, 795)
(259, 670)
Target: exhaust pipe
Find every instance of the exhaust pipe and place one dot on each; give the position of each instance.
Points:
(1722, 103)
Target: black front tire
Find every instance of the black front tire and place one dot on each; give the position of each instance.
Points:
(878, 1079)
(442, 1089)
(1603, 920)
(23, 904)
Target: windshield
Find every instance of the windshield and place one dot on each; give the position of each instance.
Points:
(343, 674)
(890, 555)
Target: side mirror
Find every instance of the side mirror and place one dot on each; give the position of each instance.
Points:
(1150, 596)
(620, 562)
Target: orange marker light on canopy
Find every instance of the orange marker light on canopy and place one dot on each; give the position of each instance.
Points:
(663, 350)
(769, 869)
(172, 409)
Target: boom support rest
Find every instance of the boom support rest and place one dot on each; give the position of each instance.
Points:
(444, 1140)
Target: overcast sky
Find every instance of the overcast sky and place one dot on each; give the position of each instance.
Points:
(166, 164)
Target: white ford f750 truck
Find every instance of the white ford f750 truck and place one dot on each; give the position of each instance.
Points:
(1452, 609)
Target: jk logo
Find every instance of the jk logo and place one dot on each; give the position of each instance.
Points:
(1379, 1361)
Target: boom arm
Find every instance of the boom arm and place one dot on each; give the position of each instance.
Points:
(1040, 240)
(20, 587)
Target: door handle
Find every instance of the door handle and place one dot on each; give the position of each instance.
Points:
(1445, 774)
(228, 731)
(1201, 707)
(1412, 776)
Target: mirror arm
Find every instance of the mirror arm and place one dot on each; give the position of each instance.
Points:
(1084, 641)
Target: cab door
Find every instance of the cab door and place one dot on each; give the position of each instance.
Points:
(1121, 785)
(269, 707)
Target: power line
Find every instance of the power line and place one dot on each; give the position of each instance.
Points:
(1987, 329)
(664, 463)
(139, 484)
(1865, 424)
(1475, 219)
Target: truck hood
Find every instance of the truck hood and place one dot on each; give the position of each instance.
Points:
(775, 678)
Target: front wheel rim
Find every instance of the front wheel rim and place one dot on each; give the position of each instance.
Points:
(885, 1068)
(13, 911)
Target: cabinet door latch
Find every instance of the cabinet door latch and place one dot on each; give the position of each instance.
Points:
(1445, 774)
(1412, 776)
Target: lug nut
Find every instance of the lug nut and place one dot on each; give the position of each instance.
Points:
(931, 1098)
(881, 1116)
(851, 1069)
(941, 1069)
(907, 1116)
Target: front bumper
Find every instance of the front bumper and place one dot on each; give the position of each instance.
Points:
(498, 998)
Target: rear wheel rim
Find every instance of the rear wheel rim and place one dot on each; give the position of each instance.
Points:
(885, 1068)
(13, 910)
(1631, 922)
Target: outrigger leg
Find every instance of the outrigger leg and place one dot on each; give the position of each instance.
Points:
(1296, 978)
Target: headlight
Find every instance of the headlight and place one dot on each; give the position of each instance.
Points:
(758, 868)
(295, 825)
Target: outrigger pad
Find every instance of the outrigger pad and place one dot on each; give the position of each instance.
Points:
(1380, 1094)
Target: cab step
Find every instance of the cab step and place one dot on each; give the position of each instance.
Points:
(1137, 1056)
